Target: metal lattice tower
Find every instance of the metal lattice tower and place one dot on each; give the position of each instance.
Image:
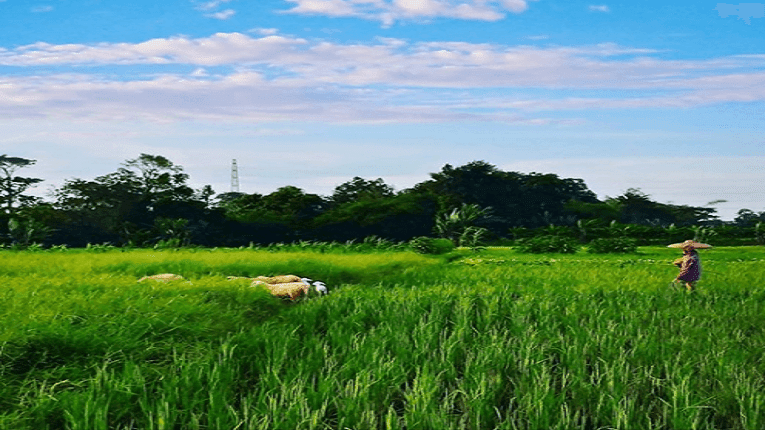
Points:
(234, 177)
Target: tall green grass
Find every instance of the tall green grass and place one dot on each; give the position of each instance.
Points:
(468, 341)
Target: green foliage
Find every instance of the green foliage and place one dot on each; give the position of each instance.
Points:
(25, 231)
(703, 234)
(455, 224)
(370, 244)
(556, 230)
(429, 245)
(102, 247)
(358, 189)
(132, 206)
(548, 244)
(635, 207)
(12, 187)
(587, 226)
(614, 245)
(519, 232)
(517, 199)
(473, 237)
(172, 233)
(122, 206)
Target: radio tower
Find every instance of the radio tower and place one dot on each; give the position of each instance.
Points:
(234, 177)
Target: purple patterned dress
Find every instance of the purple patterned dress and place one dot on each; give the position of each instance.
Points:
(690, 267)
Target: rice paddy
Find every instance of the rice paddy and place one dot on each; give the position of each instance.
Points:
(490, 340)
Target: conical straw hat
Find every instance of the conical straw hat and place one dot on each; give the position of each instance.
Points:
(696, 245)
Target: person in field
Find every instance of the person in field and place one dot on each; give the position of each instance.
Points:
(689, 264)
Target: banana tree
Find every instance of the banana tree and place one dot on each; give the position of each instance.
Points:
(454, 224)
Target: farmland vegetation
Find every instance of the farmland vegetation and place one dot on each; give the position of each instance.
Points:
(462, 340)
(478, 299)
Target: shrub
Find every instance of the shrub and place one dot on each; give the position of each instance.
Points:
(473, 238)
(615, 245)
(429, 245)
(104, 247)
(545, 244)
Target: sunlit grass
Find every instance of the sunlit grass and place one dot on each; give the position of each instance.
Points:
(468, 341)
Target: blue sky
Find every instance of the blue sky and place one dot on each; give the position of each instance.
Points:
(668, 97)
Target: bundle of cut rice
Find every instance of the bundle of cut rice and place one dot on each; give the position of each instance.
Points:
(163, 277)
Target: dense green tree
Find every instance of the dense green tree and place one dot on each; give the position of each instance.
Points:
(284, 215)
(602, 211)
(288, 206)
(747, 217)
(636, 207)
(477, 183)
(361, 189)
(143, 184)
(546, 197)
(205, 195)
(223, 199)
(517, 199)
(148, 200)
(12, 187)
(399, 217)
(239, 206)
(292, 205)
(123, 205)
(155, 179)
(32, 224)
(18, 223)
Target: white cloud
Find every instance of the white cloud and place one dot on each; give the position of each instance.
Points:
(599, 8)
(210, 9)
(265, 31)
(211, 5)
(199, 72)
(220, 48)
(222, 15)
(744, 11)
(515, 6)
(42, 9)
(280, 77)
(390, 11)
(324, 7)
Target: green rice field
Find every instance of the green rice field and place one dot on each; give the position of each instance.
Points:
(489, 340)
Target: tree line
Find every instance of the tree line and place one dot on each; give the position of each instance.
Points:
(148, 202)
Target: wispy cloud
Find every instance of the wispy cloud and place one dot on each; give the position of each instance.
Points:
(42, 9)
(222, 15)
(276, 77)
(264, 31)
(390, 11)
(744, 11)
(211, 5)
(599, 8)
(210, 9)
